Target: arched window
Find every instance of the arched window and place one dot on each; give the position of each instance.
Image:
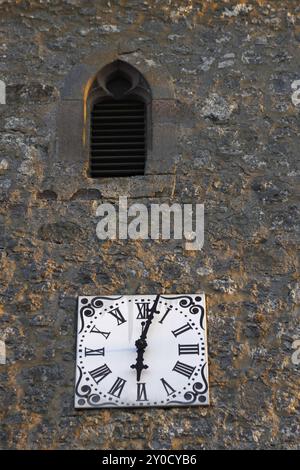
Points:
(119, 105)
(112, 82)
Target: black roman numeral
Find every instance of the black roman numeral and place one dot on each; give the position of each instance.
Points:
(94, 352)
(103, 333)
(184, 369)
(100, 373)
(117, 387)
(167, 311)
(143, 308)
(182, 329)
(115, 312)
(169, 390)
(188, 349)
(141, 392)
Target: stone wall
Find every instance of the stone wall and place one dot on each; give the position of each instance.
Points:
(233, 67)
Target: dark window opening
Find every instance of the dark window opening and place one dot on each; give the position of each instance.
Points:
(118, 143)
(118, 125)
(118, 85)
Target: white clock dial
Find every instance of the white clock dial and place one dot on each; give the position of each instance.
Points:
(141, 350)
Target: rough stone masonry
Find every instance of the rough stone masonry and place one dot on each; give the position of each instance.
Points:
(234, 68)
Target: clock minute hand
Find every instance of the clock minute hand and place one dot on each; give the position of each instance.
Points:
(150, 317)
(141, 343)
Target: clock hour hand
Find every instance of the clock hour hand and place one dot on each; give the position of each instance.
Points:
(141, 343)
(139, 365)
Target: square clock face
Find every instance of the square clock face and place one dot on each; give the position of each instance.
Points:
(141, 350)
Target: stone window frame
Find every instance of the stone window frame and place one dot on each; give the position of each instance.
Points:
(73, 115)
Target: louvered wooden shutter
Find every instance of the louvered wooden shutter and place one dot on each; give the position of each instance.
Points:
(118, 138)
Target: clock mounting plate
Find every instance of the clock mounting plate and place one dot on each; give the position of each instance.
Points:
(141, 351)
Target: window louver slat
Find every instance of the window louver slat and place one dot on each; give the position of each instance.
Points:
(118, 138)
(114, 159)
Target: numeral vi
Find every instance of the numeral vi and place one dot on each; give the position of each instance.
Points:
(141, 392)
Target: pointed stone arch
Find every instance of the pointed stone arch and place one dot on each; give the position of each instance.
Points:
(72, 121)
